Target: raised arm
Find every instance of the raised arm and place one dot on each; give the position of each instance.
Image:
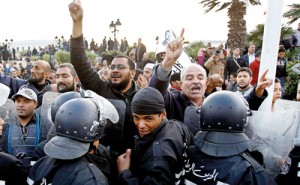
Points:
(161, 74)
(76, 13)
(86, 73)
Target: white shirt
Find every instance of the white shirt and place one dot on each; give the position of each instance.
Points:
(251, 58)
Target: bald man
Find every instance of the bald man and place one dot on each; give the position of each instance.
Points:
(36, 82)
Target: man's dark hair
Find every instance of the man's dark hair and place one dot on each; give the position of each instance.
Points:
(250, 44)
(175, 77)
(129, 61)
(281, 50)
(70, 66)
(234, 74)
(277, 80)
(246, 69)
(138, 72)
(258, 54)
(22, 69)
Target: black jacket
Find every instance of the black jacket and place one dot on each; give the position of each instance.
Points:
(59, 172)
(292, 177)
(90, 80)
(234, 170)
(12, 170)
(231, 66)
(157, 157)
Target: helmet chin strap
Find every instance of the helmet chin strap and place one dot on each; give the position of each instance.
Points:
(92, 148)
(101, 122)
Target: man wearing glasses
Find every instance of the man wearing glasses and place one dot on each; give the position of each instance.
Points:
(120, 87)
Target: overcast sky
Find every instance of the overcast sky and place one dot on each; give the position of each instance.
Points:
(44, 19)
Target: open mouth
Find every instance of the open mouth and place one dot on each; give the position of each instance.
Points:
(142, 133)
(62, 86)
(195, 89)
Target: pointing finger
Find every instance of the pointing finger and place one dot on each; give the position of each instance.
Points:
(182, 32)
(264, 73)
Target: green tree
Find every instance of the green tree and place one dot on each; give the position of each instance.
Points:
(291, 85)
(192, 48)
(256, 36)
(293, 13)
(62, 57)
(236, 24)
(91, 57)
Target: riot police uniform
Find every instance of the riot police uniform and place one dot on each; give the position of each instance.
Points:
(219, 154)
(12, 171)
(68, 160)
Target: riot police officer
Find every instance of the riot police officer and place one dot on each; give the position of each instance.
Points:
(68, 159)
(219, 155)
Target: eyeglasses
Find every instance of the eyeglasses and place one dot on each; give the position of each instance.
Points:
(118, 66)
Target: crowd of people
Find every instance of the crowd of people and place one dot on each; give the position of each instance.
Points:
(131, 120)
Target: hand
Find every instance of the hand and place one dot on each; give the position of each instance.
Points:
(142, 81)
(21, 155)
(123, 161)
(221, 56)
(226, 82)
(221, 71)
(76, 11)
(284, 164)
(173, 52)
(219, 88)
(263, 83)
(1, 126)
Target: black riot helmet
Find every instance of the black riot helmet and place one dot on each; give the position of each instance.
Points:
(80, 119)
(224, 111)
(61, 99)
(223, 118)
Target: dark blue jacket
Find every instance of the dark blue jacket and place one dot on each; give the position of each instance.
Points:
(176, 102)
(239, 169)
(65, 172)
(15, 84)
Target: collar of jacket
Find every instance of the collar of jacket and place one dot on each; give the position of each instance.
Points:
(187, 101)
(143, 142)
(131, 91)
(33, 86)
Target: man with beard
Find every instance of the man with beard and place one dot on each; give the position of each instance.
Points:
(21, 139)
(36, 82)
(193, 83)
(52, 77)
(120, 87)
(244, 77)
(66, 78)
